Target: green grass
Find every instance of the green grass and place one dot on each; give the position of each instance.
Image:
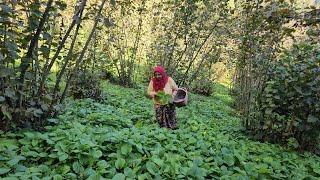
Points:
(119, 138)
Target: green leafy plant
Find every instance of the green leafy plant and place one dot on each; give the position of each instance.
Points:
(203, 86)
(104, 140)
(86, 85)
(163, 98)
(289, 104)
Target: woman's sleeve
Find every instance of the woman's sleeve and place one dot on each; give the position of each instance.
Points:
(173, 85)
(150, 88)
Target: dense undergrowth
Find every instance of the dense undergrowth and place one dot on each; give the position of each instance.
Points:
(119, 138)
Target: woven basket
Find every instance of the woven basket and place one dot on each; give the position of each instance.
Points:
(181, 98)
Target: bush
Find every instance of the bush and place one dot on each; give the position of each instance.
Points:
(32, 113)
(86, 85)
(289, 106)
(203, 87)
(108, 75)
(204, 83)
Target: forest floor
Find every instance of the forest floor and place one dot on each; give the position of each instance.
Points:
(118, 138)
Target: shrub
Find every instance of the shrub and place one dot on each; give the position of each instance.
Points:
(86, 85)
(32, 113)
(289, 105)
(203, 87)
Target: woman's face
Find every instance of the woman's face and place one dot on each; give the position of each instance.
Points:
(158, 75)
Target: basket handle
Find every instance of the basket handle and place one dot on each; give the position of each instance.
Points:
(184, 88)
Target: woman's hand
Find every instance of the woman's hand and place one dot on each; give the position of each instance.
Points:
(174, 93)
(153, 94)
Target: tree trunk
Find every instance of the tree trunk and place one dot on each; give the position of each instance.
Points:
(67, 58)
(49, 42)
(61, 45)
(79, 60)
(131, 68)
(25, 61)
(36, 69)
(197, 53)
(195, 74)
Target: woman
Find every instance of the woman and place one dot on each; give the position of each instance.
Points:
(165, 114)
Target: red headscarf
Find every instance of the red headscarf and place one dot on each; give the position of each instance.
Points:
(158, 85)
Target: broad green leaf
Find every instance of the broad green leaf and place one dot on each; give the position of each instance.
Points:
(119, 176)
(102, 164)
(30, 135)
(97, 154)
(196, 172)
(9, 178)
(129, 173)
(65, 169)
(263, 169)
(120, 163)
(316, 170)
(224, 151)
(229, 159)
(95, 176)
(20, 168)
(89, 171)
(45, 168)
(34, 142)
(152, 167)
(71, 176)
(158, 161)
(126, 149)
(143, 176)
(9, 143)
(77, 167)
(35, 178)
(57, 177)
(32, 153)
(249, 167)
(15, 160)
(63, 156)
(4, 170)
